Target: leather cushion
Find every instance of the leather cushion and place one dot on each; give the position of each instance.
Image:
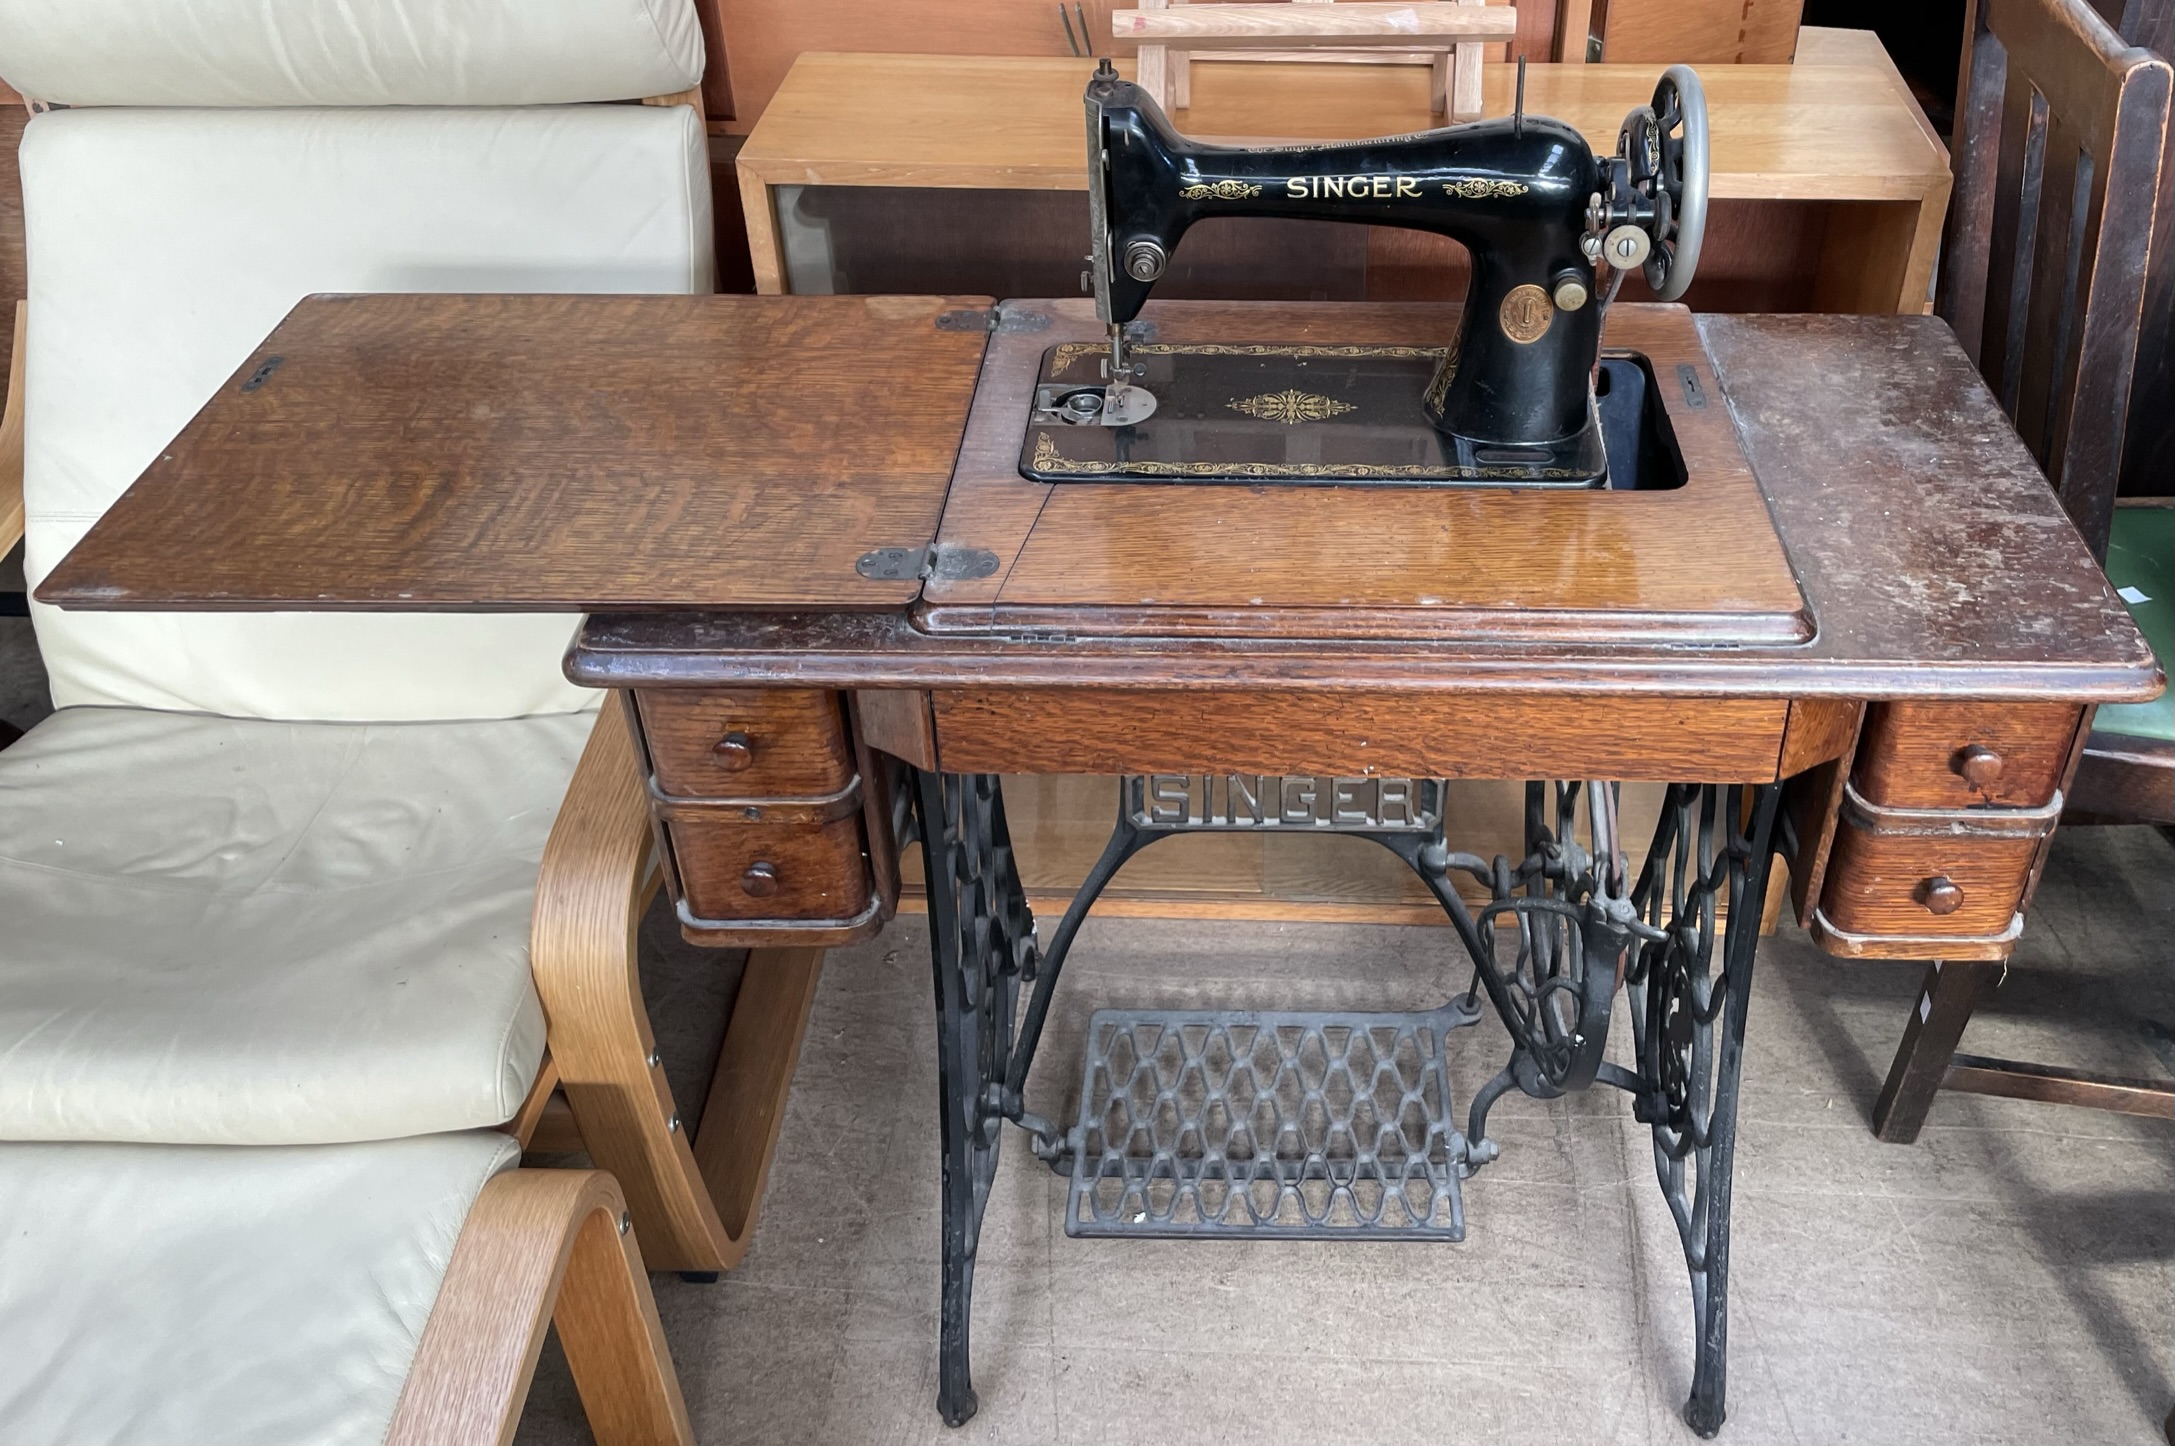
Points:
(226, 931)
(192, 1294)
(2141, 559)
(348, 52)
(164, 245)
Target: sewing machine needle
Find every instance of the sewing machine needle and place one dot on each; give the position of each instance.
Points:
(1113, 394)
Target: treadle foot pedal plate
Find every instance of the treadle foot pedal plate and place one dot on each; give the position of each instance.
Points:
(1268, 1126)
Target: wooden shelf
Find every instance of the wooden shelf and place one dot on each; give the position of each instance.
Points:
(1832, 134)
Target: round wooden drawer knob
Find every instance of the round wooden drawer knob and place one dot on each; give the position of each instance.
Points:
(734, 751)
(1940, 895)
(761, 880)
(1978, 765)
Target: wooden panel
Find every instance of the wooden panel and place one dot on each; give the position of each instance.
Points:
(553, 452)
(717, 82)
(11, 439)
(1780, 132)
(1820, 730)
(745, 742)
(1877, 256)
(1700, 32)
(1355, 22)
(1816, 751)
(1913, 754)
(14, 275)
(1810, 801)
(1700, 563)
(898, 722)
(815, 872)
(1436, 735)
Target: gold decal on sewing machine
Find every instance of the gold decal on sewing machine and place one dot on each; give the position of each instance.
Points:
(1351, 188)
(1220, 191)
(1526, 313)
(1484, 188)
(1446, 372)
(1291, 407)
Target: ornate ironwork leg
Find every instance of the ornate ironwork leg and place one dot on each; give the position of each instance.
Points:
(982, 942)
(1571, 931)
(1713, 848)
(1567, 908)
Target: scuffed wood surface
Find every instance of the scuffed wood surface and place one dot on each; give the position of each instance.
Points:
(1921, 529)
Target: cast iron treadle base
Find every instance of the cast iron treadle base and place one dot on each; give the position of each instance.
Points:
(1268, 1125)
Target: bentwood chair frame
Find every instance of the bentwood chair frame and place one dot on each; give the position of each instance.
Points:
(2060, 194)
(542, 1247)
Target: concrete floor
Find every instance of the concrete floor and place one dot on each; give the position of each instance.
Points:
(2009, 1278)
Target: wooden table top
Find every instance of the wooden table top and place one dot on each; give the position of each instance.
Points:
(520, 453)
(1810, 131)
(734, 457)
(1934, 557)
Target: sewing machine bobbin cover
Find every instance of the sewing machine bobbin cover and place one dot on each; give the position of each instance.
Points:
(1509, 401)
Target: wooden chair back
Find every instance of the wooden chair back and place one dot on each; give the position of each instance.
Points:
(2043, 275)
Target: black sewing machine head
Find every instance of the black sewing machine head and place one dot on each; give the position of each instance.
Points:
(1509, 401)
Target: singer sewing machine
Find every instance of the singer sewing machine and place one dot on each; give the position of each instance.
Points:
(1508, 401)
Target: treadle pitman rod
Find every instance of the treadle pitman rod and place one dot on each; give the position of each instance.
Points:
(1560, 931)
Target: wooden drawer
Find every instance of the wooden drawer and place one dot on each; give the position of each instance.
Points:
(732, 870)
(1964, 755)
(746, 742)
(1917, 873)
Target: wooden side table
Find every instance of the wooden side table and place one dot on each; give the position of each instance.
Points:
(1836, 136)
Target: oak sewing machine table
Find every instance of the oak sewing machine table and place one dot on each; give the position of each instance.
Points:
(1860, 636)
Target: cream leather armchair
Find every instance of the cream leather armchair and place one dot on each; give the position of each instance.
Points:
(394, 1291)
(270, 881)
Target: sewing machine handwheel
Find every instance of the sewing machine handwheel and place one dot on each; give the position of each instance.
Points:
(1680, 114)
